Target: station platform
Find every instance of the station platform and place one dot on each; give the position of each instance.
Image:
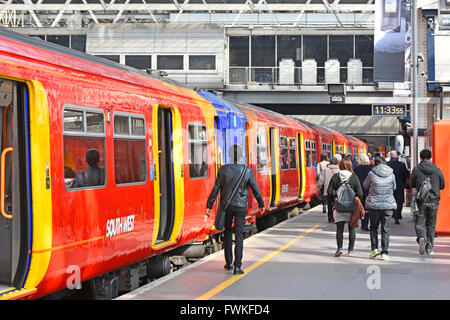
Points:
(295, 260)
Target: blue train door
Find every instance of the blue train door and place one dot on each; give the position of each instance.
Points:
(236, 135)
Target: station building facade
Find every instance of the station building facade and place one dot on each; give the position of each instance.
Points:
(284, 61)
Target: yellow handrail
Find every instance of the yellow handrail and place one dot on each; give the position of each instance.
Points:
(2, 184)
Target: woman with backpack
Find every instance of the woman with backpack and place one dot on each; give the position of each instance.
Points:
(324, 181)
(350, 184)
(381, 204)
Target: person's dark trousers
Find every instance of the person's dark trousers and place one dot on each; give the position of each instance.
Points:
(365, 222)
(340, 235)
(330, 200)
(383, 217)
(399, 196)
(425, 222)
(239, 223)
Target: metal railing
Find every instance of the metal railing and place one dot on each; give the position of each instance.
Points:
(251, 76)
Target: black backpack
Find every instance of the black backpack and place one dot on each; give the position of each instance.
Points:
(424, 192)
(345, 198)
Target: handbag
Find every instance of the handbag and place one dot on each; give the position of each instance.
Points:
(219, 223)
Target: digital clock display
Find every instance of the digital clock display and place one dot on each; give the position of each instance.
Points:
(393, 110)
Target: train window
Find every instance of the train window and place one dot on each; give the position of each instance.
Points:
(84, 147)
(284, 153)
(313, 153)
(198, 150)
(130, 160)
(308, 153)
(121, 125)
(94, 122)
(73, 120)
(329, 151)
(137, 127)
(261, 151)
(349, 150)
(292, 154)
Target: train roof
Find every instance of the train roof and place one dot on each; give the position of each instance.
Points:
(55, 48)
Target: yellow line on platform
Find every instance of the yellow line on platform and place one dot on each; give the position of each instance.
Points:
(235, 278)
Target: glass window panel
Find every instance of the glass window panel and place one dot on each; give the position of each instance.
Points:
(261, 152)
(121, 125)
(115, 58)
(341, 48)
(192, 132)
(238, 75)
(139, 61)
(84, 162)
(367, 75)
(129, 161)
(73, 120)
(198, 151)
(284, 158)
(292, 155)
(364, 50)
(262, 75)
(79, 42)
(308, 153)
(94, 122)
(202, 62)
(289, 47)
(62, 40)
(239, 52)
(170, 62)
(137, 127)
(263, 51)
(315, 47)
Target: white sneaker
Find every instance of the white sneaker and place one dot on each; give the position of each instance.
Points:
(384, 257)
(374, 253)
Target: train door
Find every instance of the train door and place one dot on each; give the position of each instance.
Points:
(301, 166)
(15, 193)
(274, 168)
(169, 193)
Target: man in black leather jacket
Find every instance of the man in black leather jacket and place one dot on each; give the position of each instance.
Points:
(225, 182)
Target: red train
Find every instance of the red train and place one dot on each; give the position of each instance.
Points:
(153, 148)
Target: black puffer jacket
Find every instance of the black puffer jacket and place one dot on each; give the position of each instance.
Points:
(225, 182)
(421, 172)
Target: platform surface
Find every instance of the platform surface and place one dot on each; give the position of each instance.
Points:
(295, 260)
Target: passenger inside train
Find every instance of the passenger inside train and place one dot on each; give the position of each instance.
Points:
(93, 175)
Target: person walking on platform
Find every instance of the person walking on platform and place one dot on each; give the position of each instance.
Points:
(401, 174)
(226, 181)
(320, 171)
(324, 181)
(428, 202)
(348, 177)
(381, 203)
(362, 171)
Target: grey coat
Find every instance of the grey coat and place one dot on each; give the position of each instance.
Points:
(381, 184)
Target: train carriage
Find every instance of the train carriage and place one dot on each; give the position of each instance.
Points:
(152, 149)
